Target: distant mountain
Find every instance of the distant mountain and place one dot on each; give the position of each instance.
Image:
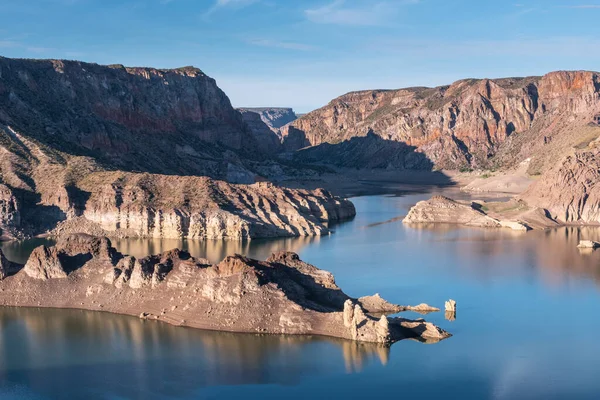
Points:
(274, 117)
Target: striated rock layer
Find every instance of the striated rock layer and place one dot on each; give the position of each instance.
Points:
(472, 123)
(161, 206)
(282, 295)
(570, 191)
(119, 151)
(174, 121)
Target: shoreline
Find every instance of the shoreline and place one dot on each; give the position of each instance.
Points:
(282, 295)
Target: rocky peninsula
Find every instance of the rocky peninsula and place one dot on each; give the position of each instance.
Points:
(282, 295)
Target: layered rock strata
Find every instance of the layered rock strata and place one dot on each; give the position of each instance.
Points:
(282, 295)
(473, 123)
(170, 121)
(120, 151)
(160, 206)
(570, 191)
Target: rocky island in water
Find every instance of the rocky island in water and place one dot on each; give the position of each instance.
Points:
(282, 295)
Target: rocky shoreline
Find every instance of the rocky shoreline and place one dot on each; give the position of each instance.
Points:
(441, 209)
(282, 295)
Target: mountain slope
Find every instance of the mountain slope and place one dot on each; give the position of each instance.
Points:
(471, 123)
(161, 121)
(133, 132)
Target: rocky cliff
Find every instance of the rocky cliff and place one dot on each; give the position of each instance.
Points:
(90, 148)
(570, 190)
(138, 119)
(282, 295)
(160, 206)
(479, 123)
(273, 117)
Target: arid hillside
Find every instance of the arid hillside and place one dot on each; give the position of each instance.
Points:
(473, 123)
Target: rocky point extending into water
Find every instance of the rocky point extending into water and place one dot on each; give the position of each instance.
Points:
(441, 209)
(282, 295)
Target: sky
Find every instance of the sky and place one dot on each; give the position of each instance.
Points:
(304, 53)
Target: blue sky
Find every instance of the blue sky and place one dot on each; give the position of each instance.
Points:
(304, 53)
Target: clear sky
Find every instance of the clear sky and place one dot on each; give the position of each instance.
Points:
(303, 53)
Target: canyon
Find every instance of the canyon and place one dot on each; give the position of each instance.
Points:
(282, 295)
(144, 152)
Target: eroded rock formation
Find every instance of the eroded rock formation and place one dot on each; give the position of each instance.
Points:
(570, 191)
(266, 124)
(273, 117)
(282, 295)
(441, 209)
(160, 206)
(119, 151)
(471, 123)
(173, 121)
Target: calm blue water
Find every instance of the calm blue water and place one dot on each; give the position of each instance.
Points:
(526, 326)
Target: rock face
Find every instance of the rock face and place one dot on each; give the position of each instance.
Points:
(282, 295)
(6, 267)
(450, 305)
(138, 119)
(10, 214)
(111, 150)
(267, 137)
(159, 206)
(471, 123)
(441, 209)
(570, 191)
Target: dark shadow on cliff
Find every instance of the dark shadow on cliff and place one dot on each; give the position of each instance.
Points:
(299, 287)
(37, 218)
(370, 152)
(370, 162)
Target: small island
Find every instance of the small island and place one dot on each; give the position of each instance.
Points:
(282, 295)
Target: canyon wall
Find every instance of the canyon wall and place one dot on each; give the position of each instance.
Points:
(474, 123)
(91, 148)
(160, 206)
(570, 190)
(138, 119)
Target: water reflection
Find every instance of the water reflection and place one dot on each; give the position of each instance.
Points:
(450, 315)
(553, 253)
(19, 251)
(47, 350)
(213, 250)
